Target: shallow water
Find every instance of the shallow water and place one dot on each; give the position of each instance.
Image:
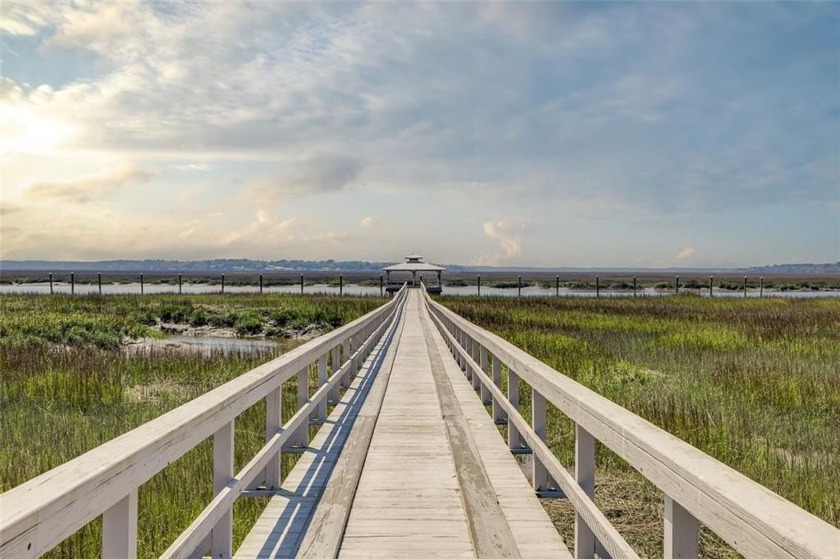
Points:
(205, 345)
(211, 344)
(535, 291)
(352, 289)
(186, 289)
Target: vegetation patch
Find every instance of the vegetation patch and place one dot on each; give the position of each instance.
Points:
(67, 387)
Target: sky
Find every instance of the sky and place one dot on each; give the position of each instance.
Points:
(515, 134)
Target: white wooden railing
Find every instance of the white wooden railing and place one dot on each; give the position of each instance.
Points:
(39, 514)
(697, 488)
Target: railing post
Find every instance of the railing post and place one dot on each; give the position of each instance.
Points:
(542, 481)
(273, 423)
(476, 379)
(119, 529)
(300, 438)
(485, 366)
(180, 290)
(681, 532)
(335, 393)
(322, 380)
(345, 355)
(499, 415)
(261, 284)
(514, 439)
(222, 533)
(354, 347)
(585, 476)
(459, 336)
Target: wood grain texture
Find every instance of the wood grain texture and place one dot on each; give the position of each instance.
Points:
(489, 529)
(408, 500)
(750, 517)
(533, 533)
(326, 528)
(289, 516)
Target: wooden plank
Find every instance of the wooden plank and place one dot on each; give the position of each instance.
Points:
(221, 537)
(753, 519)
(585, 476)
(595, 519)
(280, 529)
(119, 529)
(681, 532)
(489, 530)
(534, 535)
(323, 536)
(425, 479)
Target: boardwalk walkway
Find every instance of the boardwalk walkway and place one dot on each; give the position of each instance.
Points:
(408, 463)
(437, 479)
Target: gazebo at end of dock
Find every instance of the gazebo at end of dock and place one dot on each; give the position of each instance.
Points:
(416, 267)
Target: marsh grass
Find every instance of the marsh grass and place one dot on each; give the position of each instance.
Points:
(66, 388)
(754, 383)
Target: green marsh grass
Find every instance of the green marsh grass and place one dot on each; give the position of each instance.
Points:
(66, 387)
(754, 383)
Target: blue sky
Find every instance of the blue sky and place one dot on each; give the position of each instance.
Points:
(539, 134)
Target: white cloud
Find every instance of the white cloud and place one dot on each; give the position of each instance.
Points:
(368, 222)
(316, 174)
(77, 234)
(194, 167)
(89, 188)
(509, 235)
(685, 254)
(535, 109)
(26, 17)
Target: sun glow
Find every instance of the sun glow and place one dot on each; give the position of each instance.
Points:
(25, 131)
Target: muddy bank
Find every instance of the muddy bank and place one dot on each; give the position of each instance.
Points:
(183, 338)
(203, 345)
(285, 332)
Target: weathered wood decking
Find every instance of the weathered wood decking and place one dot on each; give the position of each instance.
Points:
(409, 463)
(437, 479)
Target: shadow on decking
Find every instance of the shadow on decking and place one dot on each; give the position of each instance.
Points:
(290, 526)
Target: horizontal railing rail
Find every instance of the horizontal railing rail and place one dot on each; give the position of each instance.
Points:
(698, 489)
(39, 514)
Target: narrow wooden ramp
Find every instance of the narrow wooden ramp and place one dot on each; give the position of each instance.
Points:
(423, 473)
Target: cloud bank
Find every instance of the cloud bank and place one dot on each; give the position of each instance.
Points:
(600, 117)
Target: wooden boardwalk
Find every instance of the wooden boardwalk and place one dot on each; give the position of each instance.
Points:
(409, 463)
(437, 479)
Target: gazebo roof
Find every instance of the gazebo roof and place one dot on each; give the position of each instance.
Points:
(414, 263)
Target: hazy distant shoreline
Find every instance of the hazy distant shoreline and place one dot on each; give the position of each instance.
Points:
(323, 267)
